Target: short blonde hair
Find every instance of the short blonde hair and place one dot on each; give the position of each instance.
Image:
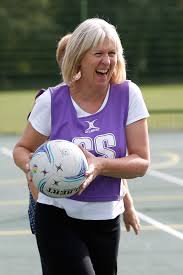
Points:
(61, 46)
(86, 36)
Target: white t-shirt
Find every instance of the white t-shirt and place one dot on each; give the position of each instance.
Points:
(40, 119)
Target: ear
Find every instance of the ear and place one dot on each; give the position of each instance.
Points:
(77, 76)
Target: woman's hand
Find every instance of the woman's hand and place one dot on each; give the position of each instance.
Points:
(34, 191)
(93, 169)
(131, 219)
(130, 216)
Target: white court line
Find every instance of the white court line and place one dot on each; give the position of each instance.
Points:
(24, 232)
(161, 226)
(166, 177)
(139, 199)
(158, 198)
(4, 233)
(143, 217)
(9, 153)
(13, 202)
(16, 181)
(171, 160)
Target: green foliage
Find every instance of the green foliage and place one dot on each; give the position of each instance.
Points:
(24, 35)
(151, 34)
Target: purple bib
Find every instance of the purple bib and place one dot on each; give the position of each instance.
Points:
(102, 133)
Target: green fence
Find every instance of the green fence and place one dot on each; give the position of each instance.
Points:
(150, 31)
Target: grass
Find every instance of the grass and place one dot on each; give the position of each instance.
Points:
(165, 103)
(161, 97)
(14, 108)
(15, 105)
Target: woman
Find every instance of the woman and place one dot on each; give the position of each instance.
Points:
(106, 115)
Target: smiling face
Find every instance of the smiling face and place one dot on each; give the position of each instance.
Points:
(97, 65)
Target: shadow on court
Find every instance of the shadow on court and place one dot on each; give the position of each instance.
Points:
(158, 198)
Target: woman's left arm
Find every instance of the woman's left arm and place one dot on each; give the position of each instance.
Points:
(138, 159)
(130, 216)
(135, 164)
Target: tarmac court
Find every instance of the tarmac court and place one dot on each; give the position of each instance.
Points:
(158, 198)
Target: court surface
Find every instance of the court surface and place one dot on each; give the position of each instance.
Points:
(158, 198)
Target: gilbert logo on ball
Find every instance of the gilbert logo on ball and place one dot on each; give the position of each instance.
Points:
(58, 168)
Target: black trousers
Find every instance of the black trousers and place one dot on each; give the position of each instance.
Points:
(71, 246)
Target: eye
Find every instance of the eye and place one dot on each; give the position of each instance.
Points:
(98, 54)
(112, 54)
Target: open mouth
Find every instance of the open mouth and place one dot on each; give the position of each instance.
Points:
(102, 72)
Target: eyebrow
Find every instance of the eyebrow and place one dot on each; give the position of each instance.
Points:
(99, 50)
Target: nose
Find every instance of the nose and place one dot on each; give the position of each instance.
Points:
(106, 59)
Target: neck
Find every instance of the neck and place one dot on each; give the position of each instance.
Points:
(89, 99)
(85, 91)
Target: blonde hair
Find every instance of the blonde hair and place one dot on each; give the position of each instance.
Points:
(61, 46)
(86, 36)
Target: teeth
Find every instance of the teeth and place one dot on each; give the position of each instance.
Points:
(102, 71)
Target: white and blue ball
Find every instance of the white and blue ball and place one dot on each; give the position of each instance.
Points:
(58, 168)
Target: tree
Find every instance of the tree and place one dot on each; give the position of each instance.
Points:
(24, 38)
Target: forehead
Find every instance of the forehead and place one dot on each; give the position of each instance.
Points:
(107, 43)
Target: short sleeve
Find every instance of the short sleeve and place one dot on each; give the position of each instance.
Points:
(137, 107)
(40, 117)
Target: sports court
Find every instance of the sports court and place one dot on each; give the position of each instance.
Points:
(158, 198)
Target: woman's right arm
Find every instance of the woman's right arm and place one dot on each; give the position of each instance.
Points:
(28, 143)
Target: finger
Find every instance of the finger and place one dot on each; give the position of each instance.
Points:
(83, 150)
(27, 166)
(90, 170)
(127, 226)
(81, 147)
(83, 187)
(85, 184)
(136, 228)
(29, 177)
